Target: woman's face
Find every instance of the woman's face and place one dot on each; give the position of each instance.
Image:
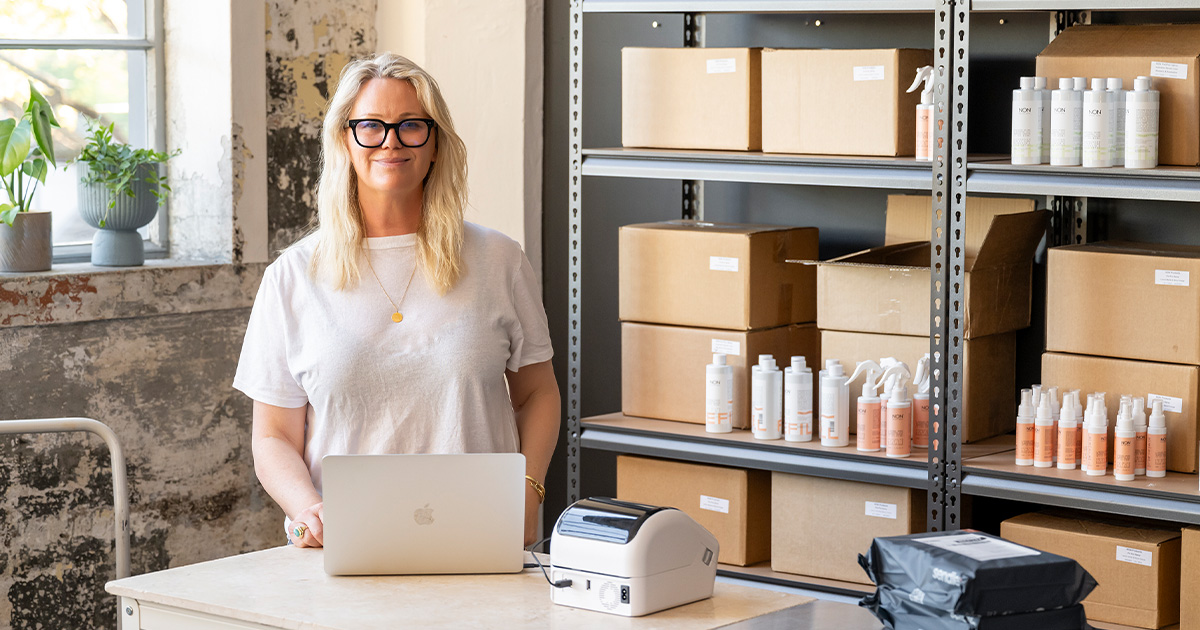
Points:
(392, 168)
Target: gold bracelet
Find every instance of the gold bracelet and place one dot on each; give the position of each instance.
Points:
(541, 490)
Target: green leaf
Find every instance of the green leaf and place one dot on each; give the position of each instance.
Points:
(41, 129)
(35, 168)
(14, 145)
(8, 213)
(47, 111)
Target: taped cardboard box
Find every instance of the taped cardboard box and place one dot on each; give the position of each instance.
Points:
(733, 504)
(1136, 565)
(989, 373)
(1189, 586)
(691, 98)
(1169, 53)
(662, 367)
(1125, 300)
(844, 516)
(1177, 386)
(717, 275)
(874, 115)
(886, 289)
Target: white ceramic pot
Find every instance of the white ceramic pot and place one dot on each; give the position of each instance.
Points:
(27, 244)
(118, 243)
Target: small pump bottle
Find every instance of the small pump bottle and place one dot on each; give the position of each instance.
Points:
(1123, 445)
(867, 427)
(926, 135)
(1037, 396)
(835, 403)
(1097, 436)
(1116, 88)
(1139, 428)
(1043, 435)
(1066, 434)
(1097, 150)
(1085, 448)
(921, 404)
(718, 396)
(1066, 125)
(1156, 442)
(1027, 124)
(899, 415)
(797, 402)
(1141, 125)
(1055, 411)
(1025, 429)
(1077, 407)
(766, 395)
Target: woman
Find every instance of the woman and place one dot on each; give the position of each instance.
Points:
(350, 350)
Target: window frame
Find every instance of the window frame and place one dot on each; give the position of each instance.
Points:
(147, 123)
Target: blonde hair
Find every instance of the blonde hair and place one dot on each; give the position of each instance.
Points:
(339, 233)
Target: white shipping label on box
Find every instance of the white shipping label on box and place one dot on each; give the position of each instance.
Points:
(869, 73)
(1169, 403)
(722, 263)
(1135, 556)
(881, 510)
(981, 548)
(724, 346)
(1172, 278)
(1166, 70)
(713, 504)
(722, 66)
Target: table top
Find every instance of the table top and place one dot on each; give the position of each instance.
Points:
(286, 587)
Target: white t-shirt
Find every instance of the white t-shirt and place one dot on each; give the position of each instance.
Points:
(433, 383)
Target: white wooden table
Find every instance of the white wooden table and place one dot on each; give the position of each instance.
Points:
(286, 587)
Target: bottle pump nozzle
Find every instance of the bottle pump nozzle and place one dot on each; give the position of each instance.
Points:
(921, 379)
(1157, 419)
(900, 372)
(870, 388)
(924, 75)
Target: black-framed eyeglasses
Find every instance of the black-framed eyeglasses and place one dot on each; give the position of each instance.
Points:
(371, 133)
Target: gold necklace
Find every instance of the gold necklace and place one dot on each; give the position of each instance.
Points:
(396, 316)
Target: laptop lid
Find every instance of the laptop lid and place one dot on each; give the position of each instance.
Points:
(424, 514)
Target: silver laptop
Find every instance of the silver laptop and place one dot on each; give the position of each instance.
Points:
(424, 514)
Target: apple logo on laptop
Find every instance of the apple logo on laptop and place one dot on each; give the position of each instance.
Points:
(423, 516)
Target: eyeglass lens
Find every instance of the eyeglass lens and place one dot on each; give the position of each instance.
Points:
(371, 133)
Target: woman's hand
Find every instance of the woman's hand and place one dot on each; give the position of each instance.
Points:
(311, 522)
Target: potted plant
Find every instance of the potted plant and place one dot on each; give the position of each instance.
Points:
(26, 155)
(120, 189)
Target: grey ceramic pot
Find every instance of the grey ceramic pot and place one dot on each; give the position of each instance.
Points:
(27, 244)
(118, 243)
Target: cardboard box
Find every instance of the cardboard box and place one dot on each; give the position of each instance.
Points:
(1178, 385)
(662, 367)
(887, 289)
(1166, 52)
(819, 526)
(989, 373)
(691, 98)
(717, 275)
(873, 113)
(1137, 566)
(733, 504)
(1189, 609)
(1126, 300)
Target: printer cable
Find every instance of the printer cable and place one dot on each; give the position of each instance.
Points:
(537, 562)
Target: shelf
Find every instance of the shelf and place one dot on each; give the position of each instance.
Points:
(1171, 498)
(760, 168)
(1081, 5)
(762, 572)
(687, 441)
(1165, 183)
(757, 6)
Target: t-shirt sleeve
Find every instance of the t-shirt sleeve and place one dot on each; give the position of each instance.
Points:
(529, 336)
(262, 371)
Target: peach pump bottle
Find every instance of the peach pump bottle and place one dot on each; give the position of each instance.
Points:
(899, 414)
(1043, 435)
(1097, 439)
(1085, 448)
(1139, 429)
(1156, 442)
(1066, 434)
(869, 407)
(1025, 429)
(1123, 444)
(920, 401)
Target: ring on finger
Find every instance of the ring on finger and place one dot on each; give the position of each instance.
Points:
(299, 530)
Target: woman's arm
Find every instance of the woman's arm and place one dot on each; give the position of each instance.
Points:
(278, 443)
(536, 402)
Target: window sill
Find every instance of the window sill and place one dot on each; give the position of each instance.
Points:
(81, 292)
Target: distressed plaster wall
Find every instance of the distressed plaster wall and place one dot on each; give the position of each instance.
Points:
(308, 44)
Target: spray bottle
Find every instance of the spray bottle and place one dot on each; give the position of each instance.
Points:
(797, 402)
(868, 406)
(1025, 429)
(835, 403)
(1097, 436)
(718, 396)
(921, 404)
(1066, 434)
(1124, 445)
(1139, 428)
(766, 395)
(1156, 442)
(886, 385)
(926, 119)
(899, 414)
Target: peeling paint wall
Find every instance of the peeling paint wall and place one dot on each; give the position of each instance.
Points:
(308, 44)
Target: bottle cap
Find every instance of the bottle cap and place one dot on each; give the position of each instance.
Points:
(1039, 83)
(1037, 396)
(1025, 409)
(1157, 419)
(1125, 417)
(835, 367)
(1139, 412)
(1028, 83)
(798, 365)
(718, 359)
(1079, 83)
(1098, 84)
(1045, 411)
(1115, 83)
(1142, 84)
(762, 358)
(1066, 83)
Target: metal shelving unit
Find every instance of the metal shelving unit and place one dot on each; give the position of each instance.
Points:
(1166, 183)
(757, 6)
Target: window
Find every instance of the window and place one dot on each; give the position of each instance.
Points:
(93, 60)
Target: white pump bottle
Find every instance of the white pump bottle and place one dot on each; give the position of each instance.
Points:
(926, 129)
(835, 403)
(718, 396)
(766, 396)
(797, 402)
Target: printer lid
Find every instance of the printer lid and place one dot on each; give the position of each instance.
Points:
(607, 520)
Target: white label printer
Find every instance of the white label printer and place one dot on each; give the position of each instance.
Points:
(630, 559)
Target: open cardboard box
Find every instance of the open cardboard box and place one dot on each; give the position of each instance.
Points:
(887, 289)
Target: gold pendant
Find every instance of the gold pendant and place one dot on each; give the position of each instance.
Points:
(397, 317)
